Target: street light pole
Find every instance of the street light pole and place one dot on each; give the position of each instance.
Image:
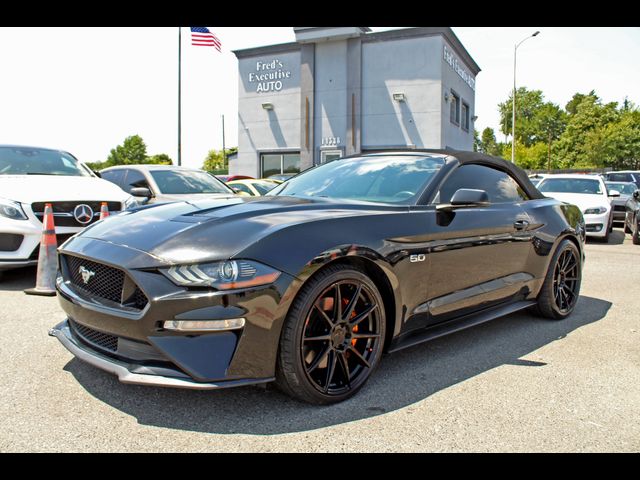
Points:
(513, 99)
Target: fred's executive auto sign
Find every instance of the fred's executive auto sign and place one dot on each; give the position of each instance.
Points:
(269, 76)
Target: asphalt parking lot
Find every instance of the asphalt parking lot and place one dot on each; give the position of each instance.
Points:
(519, 383)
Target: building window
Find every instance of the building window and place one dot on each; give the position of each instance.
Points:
(454, 108)
(277, 163)
(465, 116)
(329, 155)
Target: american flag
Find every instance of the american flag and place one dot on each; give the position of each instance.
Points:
(202, 37)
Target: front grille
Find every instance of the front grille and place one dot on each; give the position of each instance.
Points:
(619, 208)
(94, 337)
(63, 211)
(106, 282)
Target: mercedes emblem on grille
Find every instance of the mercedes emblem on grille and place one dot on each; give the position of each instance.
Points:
(86, 274)
(83, 213)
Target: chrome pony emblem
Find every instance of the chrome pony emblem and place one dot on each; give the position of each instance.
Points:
(86, 274)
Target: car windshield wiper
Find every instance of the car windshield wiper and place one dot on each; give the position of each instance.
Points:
(41, 173)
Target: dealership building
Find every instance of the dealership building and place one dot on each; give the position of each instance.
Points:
(340, 91)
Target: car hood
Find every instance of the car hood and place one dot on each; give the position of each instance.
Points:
(51, 188)
(217, 229)
(621, 200)
(581, 200)
(167, 197)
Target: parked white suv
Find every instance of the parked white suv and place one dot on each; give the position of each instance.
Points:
(590, 194)
(31, 177)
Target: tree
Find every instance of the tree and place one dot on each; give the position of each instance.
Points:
(578, 145)
(216, 161)
(551, 122)
(572, 105)
(160, 159)
(528, 103)
(132, 151)
(488, 143)
(617, 144)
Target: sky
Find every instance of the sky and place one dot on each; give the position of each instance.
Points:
(85, 90)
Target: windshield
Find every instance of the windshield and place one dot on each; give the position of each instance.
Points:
(36, 161)
(623, 188)
(264, 187)
(571, 185)
(177, 182)
(383, 179)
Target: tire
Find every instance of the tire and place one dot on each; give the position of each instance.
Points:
(321, 359)
(609, 229)
(635, 235)
(561, 287)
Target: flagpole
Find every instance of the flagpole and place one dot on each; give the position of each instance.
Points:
(224, 150)
(179, 96)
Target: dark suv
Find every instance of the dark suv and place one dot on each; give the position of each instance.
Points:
(623, 176)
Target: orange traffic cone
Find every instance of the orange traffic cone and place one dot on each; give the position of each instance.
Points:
(104, 210)
(47, 258)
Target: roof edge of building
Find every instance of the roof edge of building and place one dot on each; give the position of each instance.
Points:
(446, 32)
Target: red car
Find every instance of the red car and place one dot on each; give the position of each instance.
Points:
(228, 178)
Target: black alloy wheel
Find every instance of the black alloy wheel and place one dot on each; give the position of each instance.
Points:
(561, 288)
(635, 233)
(565, 281)
(333, 338)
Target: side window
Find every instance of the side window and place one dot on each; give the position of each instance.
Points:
(114, 176)
(620, 177)
(243, 188)
(134, 179)
(500, 186)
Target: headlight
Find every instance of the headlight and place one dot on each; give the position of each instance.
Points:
(227, 275)
(130, 203)
(595, 211)
(12, 210)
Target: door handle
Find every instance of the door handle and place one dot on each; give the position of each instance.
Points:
(521, 224)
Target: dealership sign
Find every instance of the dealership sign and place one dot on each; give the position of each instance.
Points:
(268, 76)
(453, 62)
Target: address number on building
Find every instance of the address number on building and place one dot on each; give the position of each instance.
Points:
(330, 141)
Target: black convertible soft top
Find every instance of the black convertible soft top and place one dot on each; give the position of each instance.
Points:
(464, 157)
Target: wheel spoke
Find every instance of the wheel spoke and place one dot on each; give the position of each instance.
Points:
(360, 336)
(337, 307)
(320, 338)
(319, 359)
(323, 314)
(568, 292)
(360, 359)
(331, 369)
(363, 315)
(345, 368)
(352, 303)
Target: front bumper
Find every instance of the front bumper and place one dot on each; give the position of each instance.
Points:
(137, 374)
(144, 352)
(597, 225)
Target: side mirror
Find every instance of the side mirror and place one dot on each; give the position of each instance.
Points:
(141, 192)
(613, 193)
(470, 197)
(636, 194)
(466, 197)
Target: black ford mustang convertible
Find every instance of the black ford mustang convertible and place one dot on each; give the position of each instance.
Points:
(310, 285)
